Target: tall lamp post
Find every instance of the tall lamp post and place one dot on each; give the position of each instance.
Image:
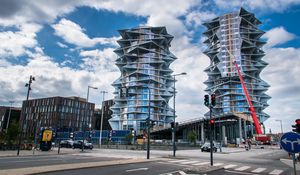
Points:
(83, 124)
(28, 85)
(280, 125)
(174, 112)
(7, 123)
(102, 111)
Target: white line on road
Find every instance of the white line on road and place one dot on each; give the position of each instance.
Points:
(258, 170)
(243, 168)
(229, 166)
(218, 164)
(238, 172)
(276, 172)
(189, 162)
(177, 161)
(137, 169)
(202, 163)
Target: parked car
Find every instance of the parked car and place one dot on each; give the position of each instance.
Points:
(206, 147)
(66, 143)
(78, 144)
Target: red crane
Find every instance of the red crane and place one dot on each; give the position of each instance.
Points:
(259, 137)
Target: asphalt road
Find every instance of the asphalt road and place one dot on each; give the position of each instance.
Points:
(33, 161)
(149, 168)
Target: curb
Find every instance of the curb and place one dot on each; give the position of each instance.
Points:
(53, 168)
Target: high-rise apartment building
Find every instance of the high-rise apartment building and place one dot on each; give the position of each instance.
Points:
(236, 33)
(145, 84)
(66, 113)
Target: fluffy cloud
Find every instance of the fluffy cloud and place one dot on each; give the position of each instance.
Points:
(99, 60)
(267, 5)
(282, 74)
(278, 36)
(16, 43)
(51, 80)
(72, 33)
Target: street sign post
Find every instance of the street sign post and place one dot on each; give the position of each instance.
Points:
(290, 142)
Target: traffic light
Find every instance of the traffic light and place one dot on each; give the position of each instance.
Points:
(172, 125)
(205, 124)
(213, 99)
(206, 100)
(297, 126)
(211, 121)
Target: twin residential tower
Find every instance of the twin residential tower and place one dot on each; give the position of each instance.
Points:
(146, 79)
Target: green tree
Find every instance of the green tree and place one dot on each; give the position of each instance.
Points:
(192, 137)
(128, 138)
(12, 132)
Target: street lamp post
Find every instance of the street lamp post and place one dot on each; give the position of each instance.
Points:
(174, 112)
(280, 125)
(102, 111)
(83, 124)
(28, 85)
(148, 125)
(7, 123)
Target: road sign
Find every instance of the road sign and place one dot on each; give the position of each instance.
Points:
(290, 142)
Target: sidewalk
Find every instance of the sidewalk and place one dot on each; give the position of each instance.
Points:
(51, 168)
(36, 152)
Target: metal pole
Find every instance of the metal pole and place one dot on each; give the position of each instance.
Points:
(86, 111)
(7, 123)
(22, 120)
(174, 129)
(294, 163)
(210, 136)
(102, 111)
(148, 124)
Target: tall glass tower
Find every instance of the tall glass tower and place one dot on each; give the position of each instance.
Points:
(145, 84)
(236, 33)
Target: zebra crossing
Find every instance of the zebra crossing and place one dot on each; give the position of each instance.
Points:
(235, 167)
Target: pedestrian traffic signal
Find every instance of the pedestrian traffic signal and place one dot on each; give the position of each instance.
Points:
(297, 126)
(212, 121)
(206, 100)
(172, 125)
(213, 99)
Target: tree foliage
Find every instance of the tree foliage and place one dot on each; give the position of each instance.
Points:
(192, 137)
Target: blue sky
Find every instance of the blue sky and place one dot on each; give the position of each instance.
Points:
(69, 45)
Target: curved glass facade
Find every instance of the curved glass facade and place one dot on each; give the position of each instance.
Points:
(143, 59)
(236, 33)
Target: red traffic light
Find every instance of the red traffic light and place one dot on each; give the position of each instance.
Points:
(212, 121)
(297, 121)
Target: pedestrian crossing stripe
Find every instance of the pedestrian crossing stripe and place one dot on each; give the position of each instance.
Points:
(189, 162)
(258, 170)
(276, 172)
(177, 161)
(202, 163)
(218, 164)
(243, 168)
(229, 166)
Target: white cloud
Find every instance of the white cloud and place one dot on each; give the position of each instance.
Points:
(99, 60)
(196, 18)
(61, 45)
(52, 80)
(282, 74)
(277, 36)
(15, 44)
(266, 6)
(72, 33)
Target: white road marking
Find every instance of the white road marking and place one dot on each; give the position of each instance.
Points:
(258, 170)
(276, 172)
(218, 164)
(189, 162)
(202, 163)
(238, 172)
(137, 169)
(177, 161)
(229, 166)
(243, 168)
